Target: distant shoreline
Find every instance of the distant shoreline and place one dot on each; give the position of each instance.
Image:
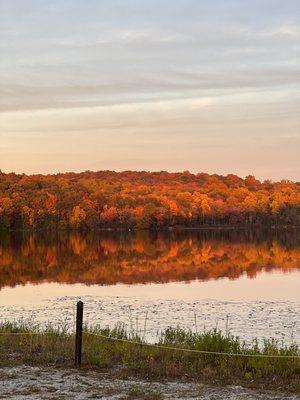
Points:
(160, 230)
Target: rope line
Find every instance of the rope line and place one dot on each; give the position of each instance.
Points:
(190, 350)
(24, 333)
(157, 346)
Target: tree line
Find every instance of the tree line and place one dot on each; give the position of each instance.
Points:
(144, 200)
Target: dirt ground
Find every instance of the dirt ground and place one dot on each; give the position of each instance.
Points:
(35, 383)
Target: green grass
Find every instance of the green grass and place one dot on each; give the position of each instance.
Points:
(55, 347)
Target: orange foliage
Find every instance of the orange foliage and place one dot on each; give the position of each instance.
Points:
(144, 200)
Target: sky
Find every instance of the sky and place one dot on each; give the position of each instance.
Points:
(205, 86)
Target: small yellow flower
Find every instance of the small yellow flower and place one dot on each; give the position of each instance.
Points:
(149, 358)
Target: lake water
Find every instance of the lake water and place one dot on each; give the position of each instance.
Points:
(244, 282)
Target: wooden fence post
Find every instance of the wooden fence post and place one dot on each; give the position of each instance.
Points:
(78, 337)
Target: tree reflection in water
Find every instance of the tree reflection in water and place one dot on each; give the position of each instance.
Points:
(108, 258)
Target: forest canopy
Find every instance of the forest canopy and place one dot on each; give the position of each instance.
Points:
(144, 200)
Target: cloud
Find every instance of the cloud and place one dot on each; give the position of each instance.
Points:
(290, 30)
(200, 75)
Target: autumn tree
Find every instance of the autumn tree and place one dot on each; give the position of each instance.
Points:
(144, 200)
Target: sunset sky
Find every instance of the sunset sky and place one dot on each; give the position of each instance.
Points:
(175, 85)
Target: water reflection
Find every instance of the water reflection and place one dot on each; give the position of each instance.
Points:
(111, 258)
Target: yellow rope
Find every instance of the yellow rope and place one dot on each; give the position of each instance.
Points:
(24, 333)
(157, 346)
(191, 350)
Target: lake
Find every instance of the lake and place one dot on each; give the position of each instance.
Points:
(243, 282)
